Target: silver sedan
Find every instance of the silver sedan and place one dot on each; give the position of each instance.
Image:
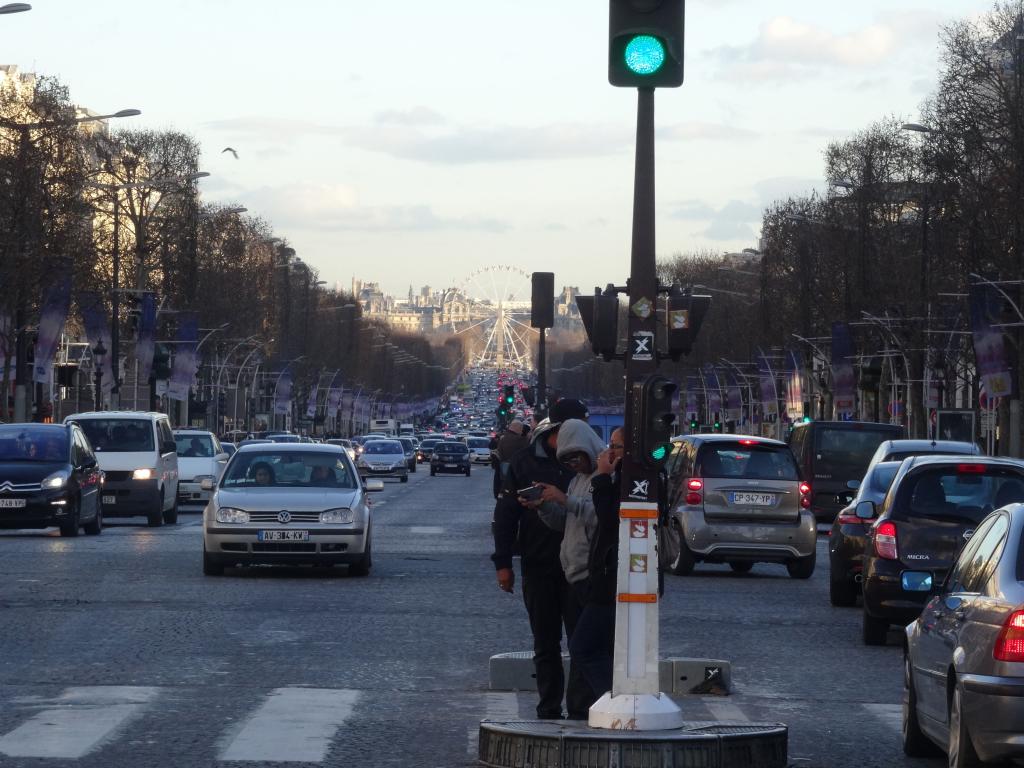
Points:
(964, 663)
(289, 503)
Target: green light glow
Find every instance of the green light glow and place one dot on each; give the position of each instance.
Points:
(659, 453)
(645, 55)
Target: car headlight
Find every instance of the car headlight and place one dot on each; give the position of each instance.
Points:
(143, 474)
(342, 515)
(231, 515)
(56, 480)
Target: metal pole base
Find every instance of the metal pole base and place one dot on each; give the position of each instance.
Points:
(635, 712)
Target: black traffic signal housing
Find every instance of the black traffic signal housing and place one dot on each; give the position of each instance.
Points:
(651, 441)
(600, 316)
(718, 423)
(693, 425)
(161, 362)
(222, 401)
(684, 315)
(645, 43)
(509, 397)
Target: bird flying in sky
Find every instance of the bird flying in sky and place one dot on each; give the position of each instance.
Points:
(231, 150)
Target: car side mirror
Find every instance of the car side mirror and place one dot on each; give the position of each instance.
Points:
(206, 485)
(865, 510)
(853, 485)
(168, 446)
(374, 486)
(221, 457)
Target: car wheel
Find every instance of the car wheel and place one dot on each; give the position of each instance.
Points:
(432, 472)
(842, 592)
(95, 526)
(171, 515)
(802, 567)
(156, 517)
(404, 478)
(875, 631)
(740, 566)
(211, 565)
(681, 560)
(362, 568)
(961, 752)
(70, 528)
(467, 471)
(915, 743)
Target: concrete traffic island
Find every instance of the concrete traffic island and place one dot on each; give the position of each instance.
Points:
(572, 744)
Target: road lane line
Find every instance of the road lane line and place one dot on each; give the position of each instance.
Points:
(725, 711)
(293, 725)
(80, 721)
(427, 530)
(890, 714)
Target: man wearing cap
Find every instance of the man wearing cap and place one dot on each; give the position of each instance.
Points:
(511, 442)
(549, 601)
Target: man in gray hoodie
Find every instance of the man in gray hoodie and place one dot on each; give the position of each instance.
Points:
(573, 512)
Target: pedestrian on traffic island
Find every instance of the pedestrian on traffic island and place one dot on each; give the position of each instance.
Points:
(511, 442)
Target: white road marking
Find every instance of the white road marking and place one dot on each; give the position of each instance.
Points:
(78, 722)
(890, 714)
(293, 725)
(725, 711)
(497, 706)
(427, 530)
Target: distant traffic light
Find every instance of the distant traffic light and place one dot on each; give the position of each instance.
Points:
(510, 395)
(718, 424)
(693, 425)
(645, 43)
(651, 441)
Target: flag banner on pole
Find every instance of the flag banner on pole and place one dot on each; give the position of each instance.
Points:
(794, 384)
(733, 399)
(6, 332)
(186, 357)
(283, 393)
(692, 402)
(314, 393)
(714, 389)
(844, 383)
(769, 393)
(334, 402)
(146, 342)
(989, 345)
(94, 320)
(56, 304)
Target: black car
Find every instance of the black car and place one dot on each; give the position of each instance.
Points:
(933, 507)
(409, 446)
(49, 476)
(450, 457)
(426, 449)
(849, 533)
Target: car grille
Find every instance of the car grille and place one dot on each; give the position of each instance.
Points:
(283, 546)
(117, 475)
(9, 487)
(297, 517)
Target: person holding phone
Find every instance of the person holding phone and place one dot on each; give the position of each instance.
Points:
(518, 530)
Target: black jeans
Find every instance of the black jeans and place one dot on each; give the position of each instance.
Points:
(592, 646)
(551, 604)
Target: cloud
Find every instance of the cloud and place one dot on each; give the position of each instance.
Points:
(696, 131)
(786, 48)
(336, 207)
(414, 116)
(735, 220)
(275, 128)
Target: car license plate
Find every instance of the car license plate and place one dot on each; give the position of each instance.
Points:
(754, 499)
(109, 499)
(12, 503)
(451, 466)
(282, 536)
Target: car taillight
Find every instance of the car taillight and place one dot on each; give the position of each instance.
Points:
(885, 541)
(805, 495)
(1010, 643)
(695, 484)
(970, 469)
(694, 487)
(850, 520)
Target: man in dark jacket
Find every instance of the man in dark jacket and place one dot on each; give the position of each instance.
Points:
(549, 601)
(511, 442)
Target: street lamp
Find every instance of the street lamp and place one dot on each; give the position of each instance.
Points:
(98, 352)
(14, 8)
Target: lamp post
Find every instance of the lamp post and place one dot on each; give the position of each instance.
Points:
(14, 8)
(98, 352)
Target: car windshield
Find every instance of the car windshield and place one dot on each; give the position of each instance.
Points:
(451, 448)
(118, 435)
(479, 442)
(194, 446)
(20, 443)
(958, 492)
(381, 447)
(846, 453)
(429, 443)
(747, 460)
(292, 469)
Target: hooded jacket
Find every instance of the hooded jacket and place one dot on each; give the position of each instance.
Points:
(576, 518)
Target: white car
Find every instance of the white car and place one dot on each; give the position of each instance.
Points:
(479, 449)
(200, 457)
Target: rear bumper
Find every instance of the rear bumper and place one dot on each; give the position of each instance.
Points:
(761, 542)
(884, 596)
(994, 711)
(365, 472)
(442, 468)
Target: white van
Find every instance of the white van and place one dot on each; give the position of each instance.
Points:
(200, 456)
(138, 456)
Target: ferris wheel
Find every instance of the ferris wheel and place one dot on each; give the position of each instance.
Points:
(493, 305)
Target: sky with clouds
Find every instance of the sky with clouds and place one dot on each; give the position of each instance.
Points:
(413, 142)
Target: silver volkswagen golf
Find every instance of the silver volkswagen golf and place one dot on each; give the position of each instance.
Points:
(288, 503)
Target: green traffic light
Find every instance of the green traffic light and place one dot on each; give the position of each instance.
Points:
(659, 453)
(645, 55)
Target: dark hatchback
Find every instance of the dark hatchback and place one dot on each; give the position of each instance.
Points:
(930, 512)
(849, 533)
(426, 449)
(450, 457)
(49, 476)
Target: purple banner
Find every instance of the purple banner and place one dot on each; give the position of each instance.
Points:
(51, 324)
(989, 346)
(794, 384)
(334, 402)
(314, 393)
(844, 383)
(692, 402)
(186, 357)
(733, 399)
(97, 331)
(145, 344)
(283, 393)
(769, 393)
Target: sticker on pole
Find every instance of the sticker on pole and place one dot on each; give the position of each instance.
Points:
(642, 308)
(641, 490)
(679, 319)
(638, 563)
(638, 529)
(642, 345)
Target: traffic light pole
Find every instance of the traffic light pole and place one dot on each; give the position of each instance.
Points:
(635, 701)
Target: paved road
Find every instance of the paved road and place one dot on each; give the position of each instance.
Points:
(116, 651)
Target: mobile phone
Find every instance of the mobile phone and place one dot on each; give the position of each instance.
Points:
(531, 492)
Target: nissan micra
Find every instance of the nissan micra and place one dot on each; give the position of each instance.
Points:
(288, 503)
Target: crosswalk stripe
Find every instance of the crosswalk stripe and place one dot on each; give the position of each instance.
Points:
(890, 714)
(78, 722)
(293, 725)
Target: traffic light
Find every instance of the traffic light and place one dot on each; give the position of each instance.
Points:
(693, 425)
(600, 316)
(161, 362)
(222, 401)
(509, 398)
(645, 43)
(651, 441)
(718, 424)
(684, 314)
